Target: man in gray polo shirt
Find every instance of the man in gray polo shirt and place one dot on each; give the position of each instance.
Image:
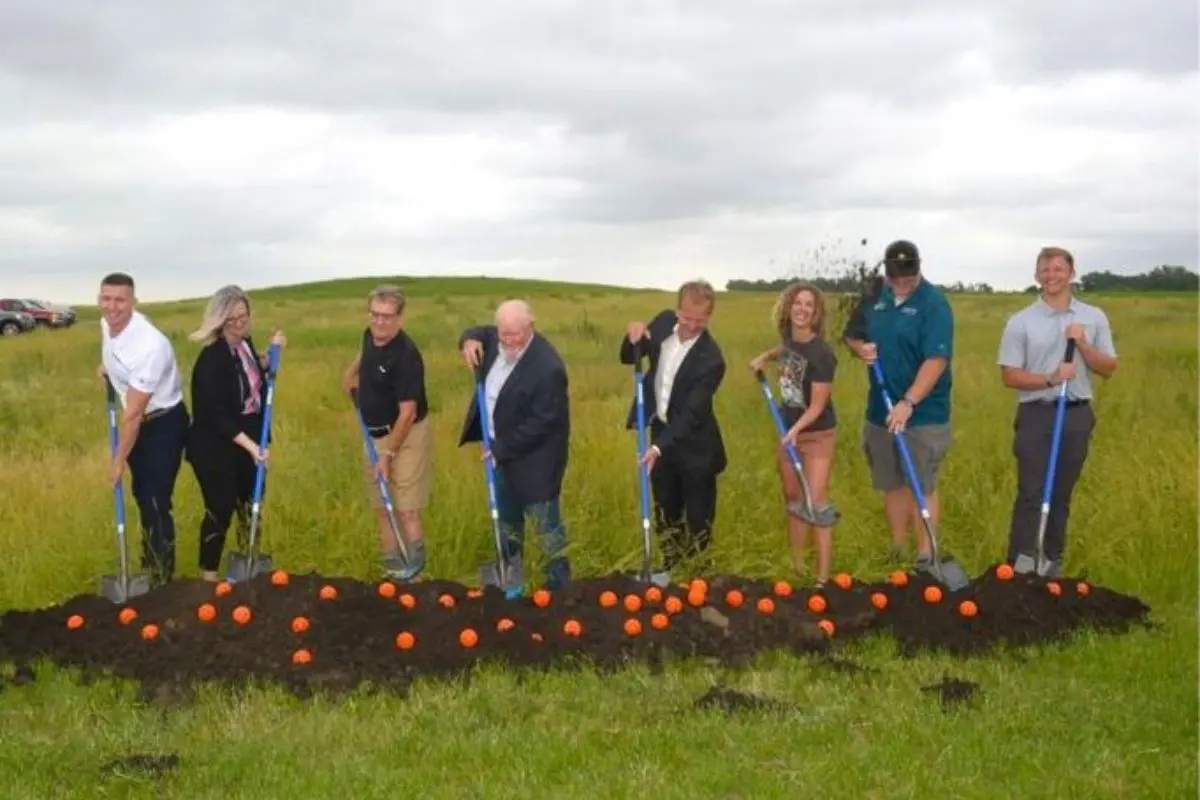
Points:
(1031, 361)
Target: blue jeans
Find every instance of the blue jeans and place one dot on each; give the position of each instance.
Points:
(548, 524)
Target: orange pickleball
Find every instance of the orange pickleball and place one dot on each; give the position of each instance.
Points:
(633, 627)
(405, 640)
(541, 598)
(127, 616)
(673, 605)
(75, 622)
(660, 621)
(608, 599)
(301, 657)
(734, 598)
(572, 628)
(468, 638)
(206, 612)
(299, 624)
(241, 615)
(932, 594)
(879, 600)
(279, 578)
(816, 604)
(765, 605)
(632, 602)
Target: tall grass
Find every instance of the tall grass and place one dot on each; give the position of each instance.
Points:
(1133, 528)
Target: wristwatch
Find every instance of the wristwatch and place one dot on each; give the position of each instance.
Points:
(908, 399)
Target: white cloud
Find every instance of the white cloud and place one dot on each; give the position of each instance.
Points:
(628, 143)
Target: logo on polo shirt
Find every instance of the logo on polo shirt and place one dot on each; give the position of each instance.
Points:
(908, 310)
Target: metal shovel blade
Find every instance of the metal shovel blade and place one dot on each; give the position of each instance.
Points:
(118, 590)
(243, 566)
(489, 575)
(947, 572)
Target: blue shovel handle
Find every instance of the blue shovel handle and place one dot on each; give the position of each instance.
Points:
(264, 438)
(1056, 438)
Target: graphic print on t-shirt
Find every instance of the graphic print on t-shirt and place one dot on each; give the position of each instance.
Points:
(793, 368)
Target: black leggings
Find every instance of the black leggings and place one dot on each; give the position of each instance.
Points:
(227, 486)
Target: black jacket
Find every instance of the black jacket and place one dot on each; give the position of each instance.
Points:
(219, 387)
(692, 436)
(532, 417)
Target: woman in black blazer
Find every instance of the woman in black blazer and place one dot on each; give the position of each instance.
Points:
(228, 392)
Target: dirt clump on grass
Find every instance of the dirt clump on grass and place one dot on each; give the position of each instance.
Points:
(311, 633)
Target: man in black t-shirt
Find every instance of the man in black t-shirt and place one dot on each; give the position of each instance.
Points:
(389, 378)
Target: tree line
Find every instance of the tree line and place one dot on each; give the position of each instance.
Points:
(1164, 278)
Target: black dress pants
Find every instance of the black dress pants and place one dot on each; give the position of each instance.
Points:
(1033, 431)
(226, 479)
(685, 505)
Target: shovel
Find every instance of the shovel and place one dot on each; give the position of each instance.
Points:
(498, 573)
(122, 587)
(1040, 565)
(401, 571)
(949, 573)
(251, 564)
(643, 470)
(807, 512)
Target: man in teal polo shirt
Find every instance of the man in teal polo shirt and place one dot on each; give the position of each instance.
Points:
(909, 327)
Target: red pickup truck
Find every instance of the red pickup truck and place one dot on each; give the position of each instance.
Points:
(44, 314)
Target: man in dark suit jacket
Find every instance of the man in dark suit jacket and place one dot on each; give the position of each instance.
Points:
(525, 384)
(686, 452)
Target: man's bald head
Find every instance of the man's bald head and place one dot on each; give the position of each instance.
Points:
(514, 326)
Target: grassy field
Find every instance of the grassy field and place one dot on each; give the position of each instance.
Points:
(1100, 717)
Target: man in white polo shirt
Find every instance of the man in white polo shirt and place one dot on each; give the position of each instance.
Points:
(1031, 361)
(152, 431)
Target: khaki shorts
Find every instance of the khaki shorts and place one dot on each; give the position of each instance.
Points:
(817, 444)
(927, 444)
(411, 478)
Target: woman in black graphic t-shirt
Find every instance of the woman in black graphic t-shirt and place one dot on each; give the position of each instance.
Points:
(807, 365)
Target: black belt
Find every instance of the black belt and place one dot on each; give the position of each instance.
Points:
(1068, 404)
(379, 430)
(160, 412)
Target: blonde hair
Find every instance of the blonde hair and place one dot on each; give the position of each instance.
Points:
(1047, 253)
(220, 306)
(699, 290)
(781, 314)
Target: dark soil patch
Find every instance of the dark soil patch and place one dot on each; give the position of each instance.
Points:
(952, 691)
(731, 701)
(352, 640)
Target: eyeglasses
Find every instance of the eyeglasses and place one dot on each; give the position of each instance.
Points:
(239, 319)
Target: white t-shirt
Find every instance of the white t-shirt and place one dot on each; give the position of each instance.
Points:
(141, 357)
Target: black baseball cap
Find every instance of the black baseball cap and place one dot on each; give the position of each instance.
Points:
(901, 259)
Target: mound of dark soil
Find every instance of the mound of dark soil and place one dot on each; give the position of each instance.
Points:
(384, 635)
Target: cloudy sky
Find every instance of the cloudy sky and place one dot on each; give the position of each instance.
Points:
(635, 143)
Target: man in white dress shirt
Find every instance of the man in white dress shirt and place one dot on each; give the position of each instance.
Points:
(687, 451)
(139, 361)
